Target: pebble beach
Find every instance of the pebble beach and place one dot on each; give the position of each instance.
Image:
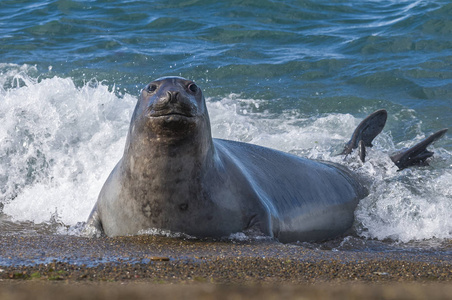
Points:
(101, 268)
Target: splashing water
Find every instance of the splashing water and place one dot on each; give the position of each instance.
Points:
(58, 143)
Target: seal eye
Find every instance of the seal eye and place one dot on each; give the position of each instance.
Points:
(193, 87)
(151, 88)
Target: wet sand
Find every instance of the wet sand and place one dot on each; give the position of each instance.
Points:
(176, 268)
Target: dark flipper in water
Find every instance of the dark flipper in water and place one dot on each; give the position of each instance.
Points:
(366, 131)
(417, 154)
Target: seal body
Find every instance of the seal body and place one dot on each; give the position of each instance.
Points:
(175, 176)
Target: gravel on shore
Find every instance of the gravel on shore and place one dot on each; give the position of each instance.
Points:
(203, 269)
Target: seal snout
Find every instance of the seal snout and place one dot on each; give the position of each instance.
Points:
(172, 96)
(172, 102)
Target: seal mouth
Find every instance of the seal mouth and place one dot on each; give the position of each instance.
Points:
(169, 114)
(171, 118)
(171, 124)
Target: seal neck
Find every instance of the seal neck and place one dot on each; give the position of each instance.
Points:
(163, 159)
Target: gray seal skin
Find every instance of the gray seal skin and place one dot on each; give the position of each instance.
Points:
(175, 176)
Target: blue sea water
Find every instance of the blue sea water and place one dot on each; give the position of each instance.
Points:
(292, 75)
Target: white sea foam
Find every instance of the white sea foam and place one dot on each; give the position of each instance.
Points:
(166, 233)
(59, 142)
(58, 145)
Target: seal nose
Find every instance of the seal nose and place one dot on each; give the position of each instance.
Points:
(172, 96)
(168, 99)
(172, 101)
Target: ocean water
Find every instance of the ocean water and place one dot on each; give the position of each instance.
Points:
(297, 76)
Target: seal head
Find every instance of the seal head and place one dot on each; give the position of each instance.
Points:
(171, 108)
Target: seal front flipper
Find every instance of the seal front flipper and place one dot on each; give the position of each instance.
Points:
(93, 227)
(367, 130)
(417, 154)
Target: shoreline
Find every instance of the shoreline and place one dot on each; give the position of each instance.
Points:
(175, 260)
(238, 271)
(169, 268)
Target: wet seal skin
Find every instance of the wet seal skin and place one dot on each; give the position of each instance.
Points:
(174, 176)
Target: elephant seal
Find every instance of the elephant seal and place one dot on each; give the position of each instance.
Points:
(174, 176)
